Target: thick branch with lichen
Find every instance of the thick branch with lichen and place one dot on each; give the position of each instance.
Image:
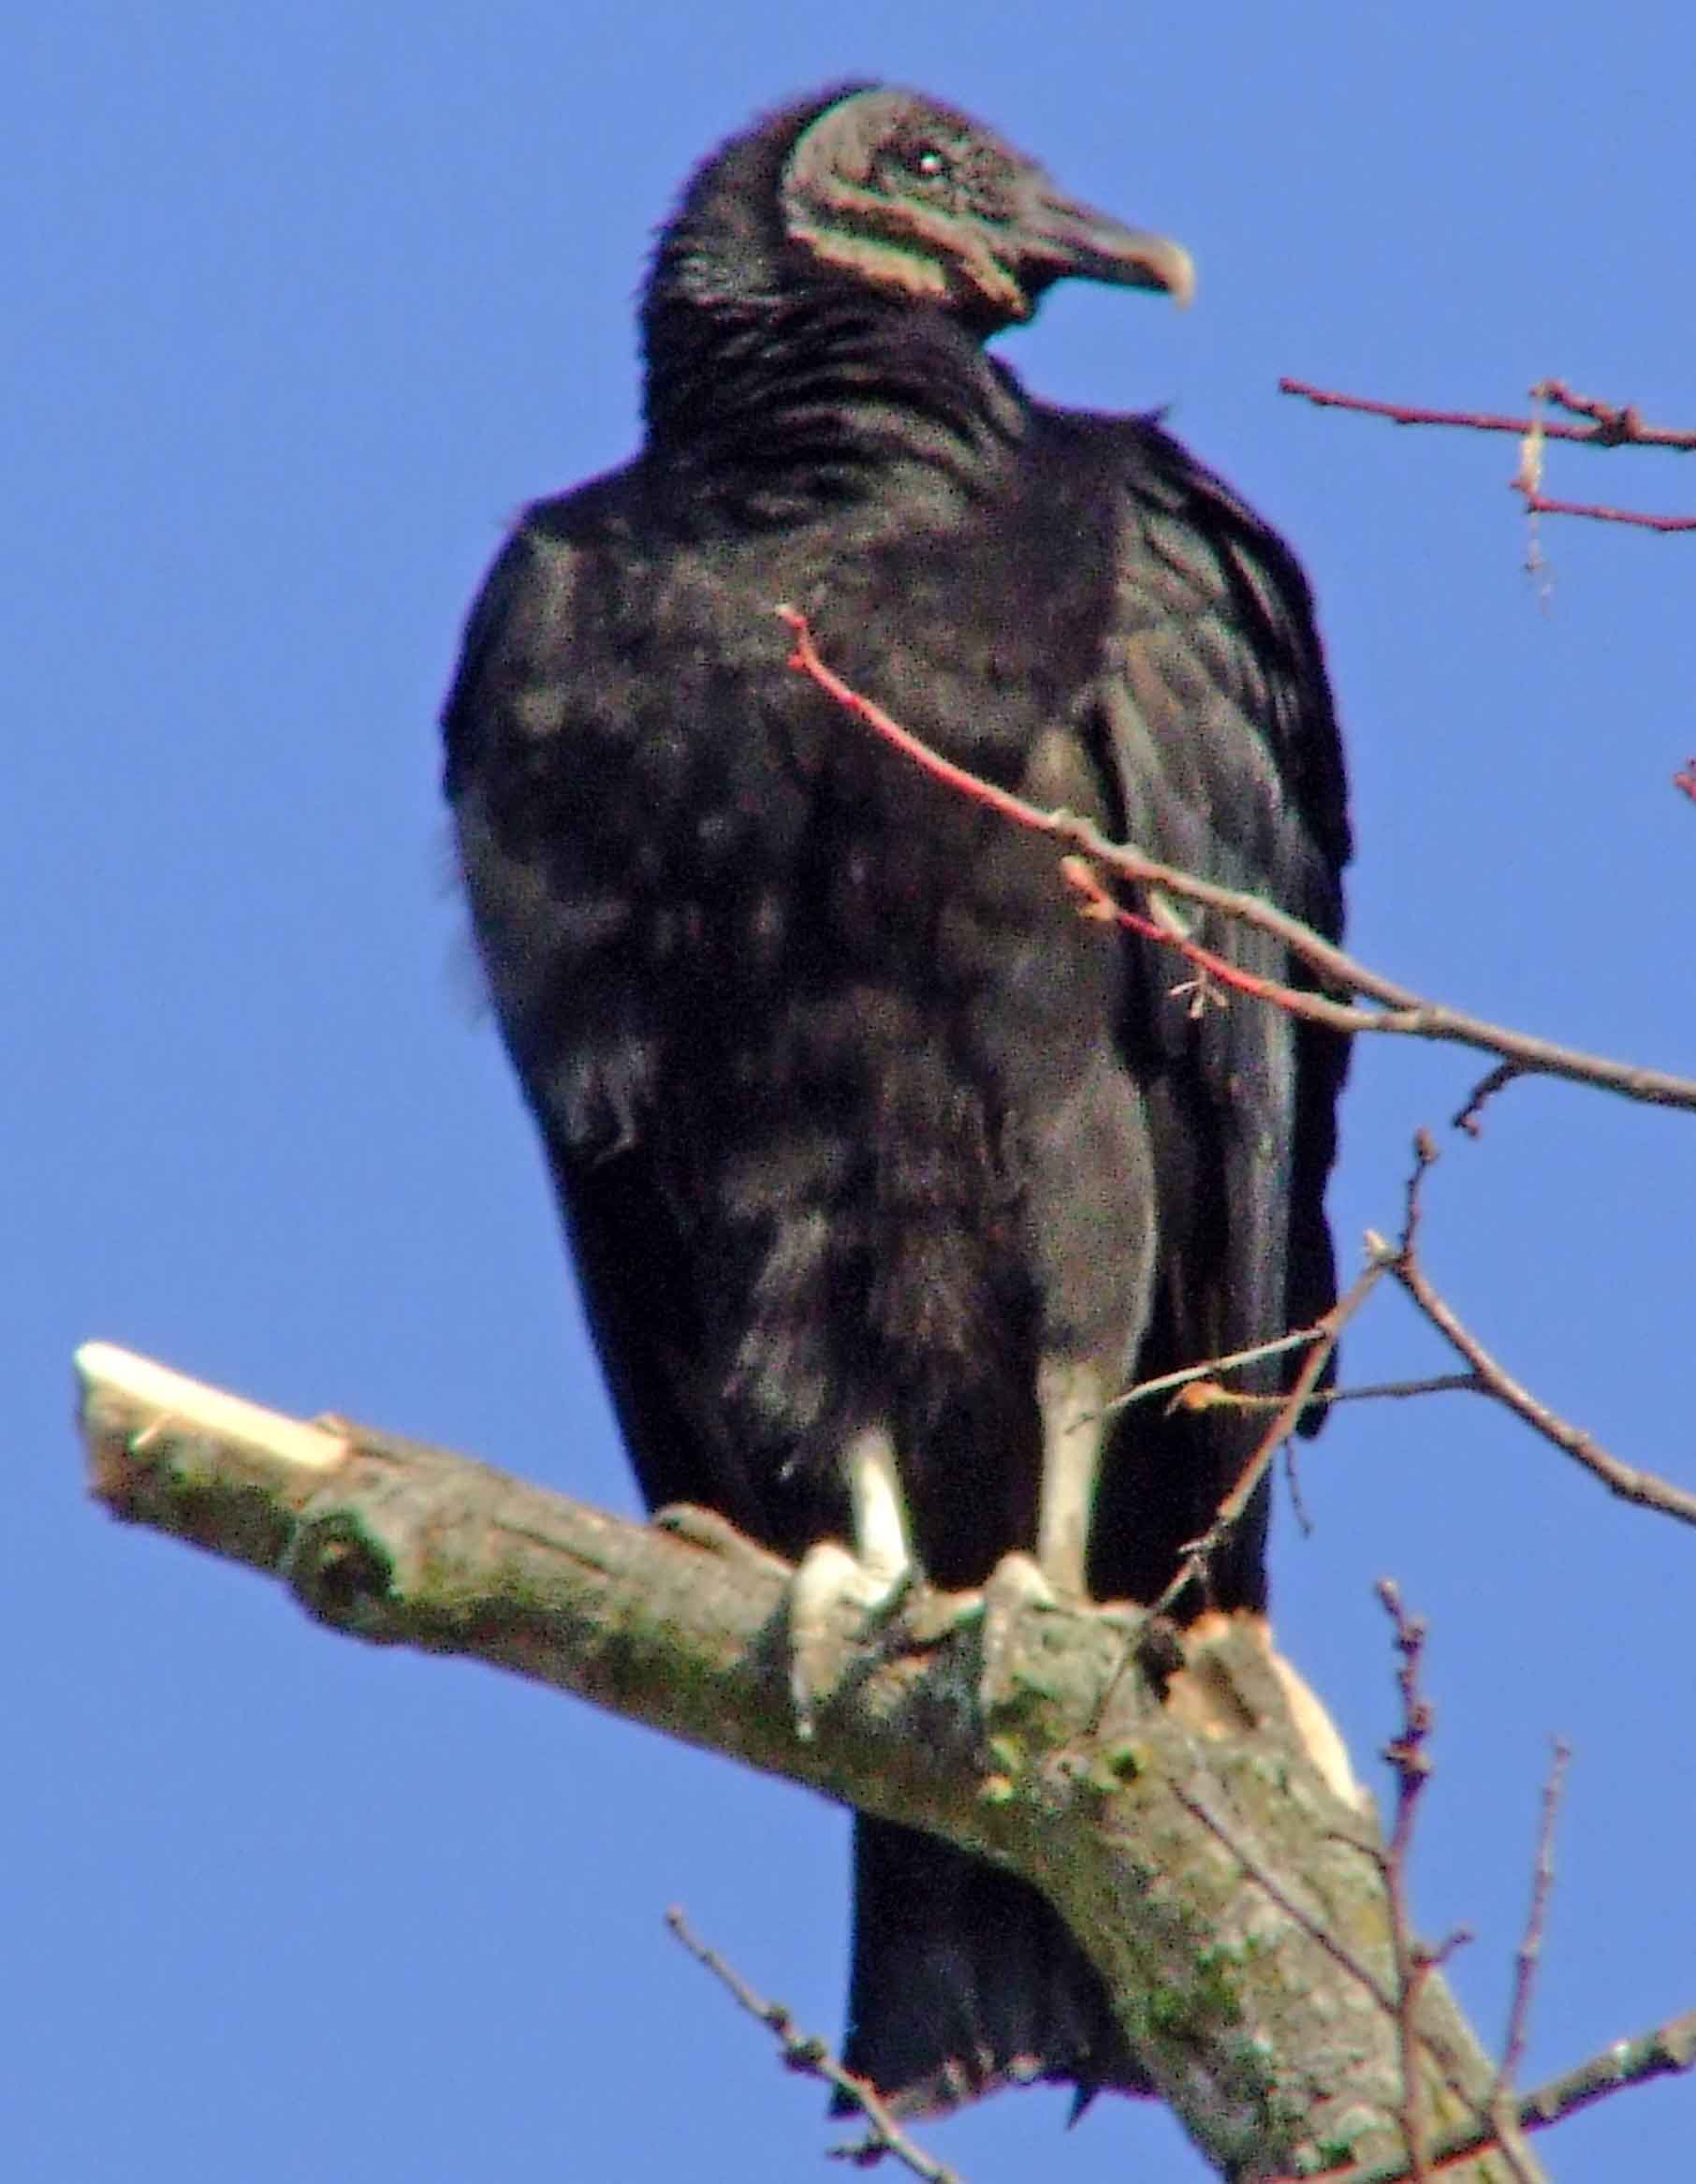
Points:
(1234, 1907)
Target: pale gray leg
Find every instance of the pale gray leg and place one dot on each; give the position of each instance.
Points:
(1069, 1395)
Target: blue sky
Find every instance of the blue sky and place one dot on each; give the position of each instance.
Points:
(301, 308)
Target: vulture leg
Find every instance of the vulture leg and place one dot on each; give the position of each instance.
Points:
(873, 1577)
(1071, 1397)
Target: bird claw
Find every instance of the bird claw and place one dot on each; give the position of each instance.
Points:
(827, 1583)
(1015, 1583)
(705, 1527)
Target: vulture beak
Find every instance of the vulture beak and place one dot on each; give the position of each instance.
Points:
(1062, 239)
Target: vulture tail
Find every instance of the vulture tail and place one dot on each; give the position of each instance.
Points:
(966, 1979)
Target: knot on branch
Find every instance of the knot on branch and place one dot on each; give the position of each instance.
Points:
(340, 1571)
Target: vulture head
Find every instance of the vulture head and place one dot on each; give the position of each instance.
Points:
(895, 193)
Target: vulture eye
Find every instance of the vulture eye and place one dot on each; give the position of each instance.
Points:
(926, 162)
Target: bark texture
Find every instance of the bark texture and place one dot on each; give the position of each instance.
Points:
(1164, 1803)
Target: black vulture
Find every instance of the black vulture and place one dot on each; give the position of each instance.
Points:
(884, 1169)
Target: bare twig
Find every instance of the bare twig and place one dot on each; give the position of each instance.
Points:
(1413, 1201)
(1493, 1378)
(1487, 1376)
(1316, 1930)
(1400, 1010)
(1470, 1117)
(1199, 1386)
(1617, 424)
(1411, 1764)
(1200, 1552)
(1188, 1376)
(1413, 1961)
(1205, 1396)
(1298, 1505)
(1666, 2051)
(1611, 425)
(804, 2052)
(1541, 504)
(1530, 1949)
(1663, 2052)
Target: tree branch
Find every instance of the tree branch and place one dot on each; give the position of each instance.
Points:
(1489, 1377)
(1667, 2051)
(1609, 424)
(1400, 1010)
(1273, 2056)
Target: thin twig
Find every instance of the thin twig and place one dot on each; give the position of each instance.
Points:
(809, 2056)
(1401, 2005)
(1619, 424)
(1541, 504)
(1205, 1397)
(1410, 1763)
(1662, 2052)
(1610, 425)
(1609, 430)
(1413, 1198)
(1166, 1381)
(1200, 1552)
(1399, 1011)
(1624, 1480)
(1530, 1947)
(1315, 1931)
(1378, 1391)
(1196, 1387)
(1298, 1503)
(1470, 1117)
(1666, 2051)
(1492, 1379)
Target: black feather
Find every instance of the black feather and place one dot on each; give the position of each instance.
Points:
(853, 1120)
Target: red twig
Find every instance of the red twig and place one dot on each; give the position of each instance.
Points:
(1539, 504)
(1398, 1010)
(1619, 424)
(1098, 904)
(1609, 425)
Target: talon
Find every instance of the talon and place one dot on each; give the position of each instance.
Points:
(827, 1583)
(705, 1527)
(1015, 1584)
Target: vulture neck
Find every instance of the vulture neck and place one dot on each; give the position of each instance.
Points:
(794, 403)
